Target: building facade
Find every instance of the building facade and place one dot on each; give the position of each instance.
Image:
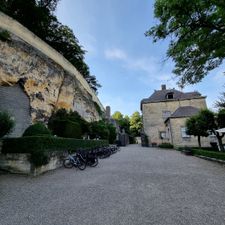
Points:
(165, 113)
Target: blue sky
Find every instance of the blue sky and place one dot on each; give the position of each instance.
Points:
(128, 65)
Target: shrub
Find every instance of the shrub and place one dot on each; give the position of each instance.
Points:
(39, 158)
(55, 122)
(210, 154)
(37, 129)
(6, 124)
(99, 129)
(66, 128)
(165, 145)
(41, 146)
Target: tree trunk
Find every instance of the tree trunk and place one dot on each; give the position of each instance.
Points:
(199, 142)
(219, 138)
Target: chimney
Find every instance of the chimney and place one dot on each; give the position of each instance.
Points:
(163, 87)
(108, 112)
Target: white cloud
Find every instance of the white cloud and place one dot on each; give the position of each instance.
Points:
(115, 53)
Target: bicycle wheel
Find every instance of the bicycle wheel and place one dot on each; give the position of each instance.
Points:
(67, 163)
(94, 162)
(81, 165)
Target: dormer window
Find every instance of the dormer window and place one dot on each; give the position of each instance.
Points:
(169, 95)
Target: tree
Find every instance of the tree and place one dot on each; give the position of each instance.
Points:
(197, 35)
(221, 102)
(117, 116)
(194, 127)
(208, 121)
(38, 16)
(135, 123)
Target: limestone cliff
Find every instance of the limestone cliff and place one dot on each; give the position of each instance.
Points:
(49, 84)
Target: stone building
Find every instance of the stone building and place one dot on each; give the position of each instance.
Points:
(165, 113)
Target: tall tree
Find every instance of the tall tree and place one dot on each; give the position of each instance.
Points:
(136, 123)
(196, 29)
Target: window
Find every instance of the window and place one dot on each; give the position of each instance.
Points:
(162, 134)
(166, 114)
(184, 133)
(169, 95)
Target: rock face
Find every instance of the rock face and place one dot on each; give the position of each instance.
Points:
(47, 82)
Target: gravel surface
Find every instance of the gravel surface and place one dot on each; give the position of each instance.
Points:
(134, 186)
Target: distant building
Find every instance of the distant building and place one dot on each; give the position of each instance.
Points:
(165, 113)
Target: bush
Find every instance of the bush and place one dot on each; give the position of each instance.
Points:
(37, 129)
(66, 128)
(6, 124)
(59, 119)
(210, 154)
(165, 145)
(41, 146)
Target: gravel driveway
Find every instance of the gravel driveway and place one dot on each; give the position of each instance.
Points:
(135, 186)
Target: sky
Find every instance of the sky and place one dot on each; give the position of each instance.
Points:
(127, 64)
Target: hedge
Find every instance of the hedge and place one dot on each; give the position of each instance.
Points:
(40, 146)
(30, 144)
(165, 145)
(210, 154)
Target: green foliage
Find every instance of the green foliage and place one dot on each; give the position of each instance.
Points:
(221, 102)
(38, 16)
(135, 124)
(99, 129)
(112, 133)
(4, 35)
(61, 123)
(47, 143)
(98, 109)
(210, 154)
(196, 125)
(165, 145)
(221, 118)
(37, 129)
(197, 35)
(41, 146)
(39, 158)
(6, 124)
(67, 129)
(122, 121)
(117, 116)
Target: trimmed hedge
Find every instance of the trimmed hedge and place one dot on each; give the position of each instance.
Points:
(37, 129)
(66, 128)
(165, 145)
(210, 154)
(40, 146)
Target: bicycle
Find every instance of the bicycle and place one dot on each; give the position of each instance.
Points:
(75, 160)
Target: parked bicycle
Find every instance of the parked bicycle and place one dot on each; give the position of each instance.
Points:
(75, 160)
(90, 157)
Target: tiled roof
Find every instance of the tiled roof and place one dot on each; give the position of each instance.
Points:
(161, 95)
(185, 111)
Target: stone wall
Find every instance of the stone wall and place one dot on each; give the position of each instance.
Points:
(153, 120)
(179, 141)
(20, 164)
(46, 77)
(15, 101)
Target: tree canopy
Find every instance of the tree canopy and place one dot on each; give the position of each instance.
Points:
(196, 126)
(135, 123)
(38, 16)
(196, 29)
